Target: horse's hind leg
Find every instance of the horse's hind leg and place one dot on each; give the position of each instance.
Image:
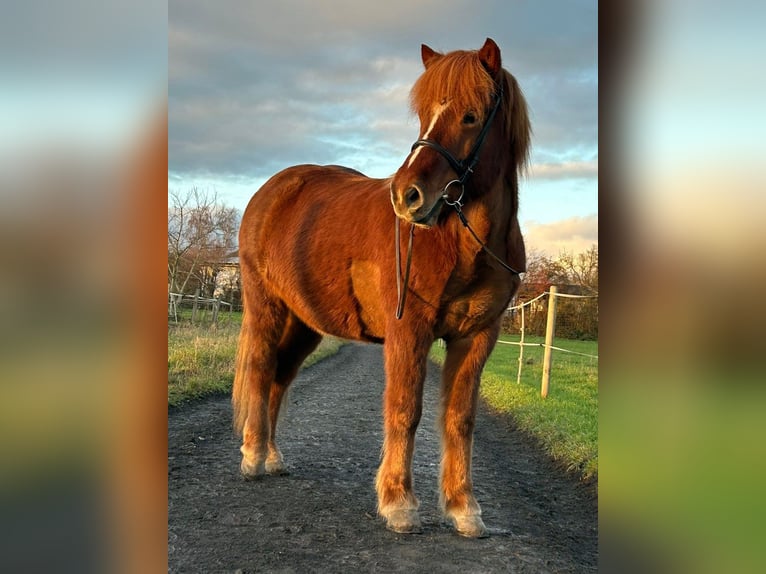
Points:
(297, 342)
(263, 325)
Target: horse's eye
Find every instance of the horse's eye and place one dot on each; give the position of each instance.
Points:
(469, 118)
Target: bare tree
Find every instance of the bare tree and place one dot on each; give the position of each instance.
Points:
(202, 232)
(580, 269)
(572, 273)
(537, 277)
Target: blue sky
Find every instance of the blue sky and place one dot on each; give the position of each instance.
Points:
(255, 87)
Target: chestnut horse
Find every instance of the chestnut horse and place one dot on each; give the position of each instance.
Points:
(317, 256)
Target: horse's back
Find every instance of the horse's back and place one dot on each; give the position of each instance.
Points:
(273, 208)
(289, 182)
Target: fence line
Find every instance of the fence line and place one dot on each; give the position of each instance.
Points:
(540, 296)
(180, 296)
(174, 299)
(550, 328)
(551, 346)
(569, 295)
(574, 352)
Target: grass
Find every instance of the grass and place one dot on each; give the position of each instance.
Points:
(201, 359)
(566, 422)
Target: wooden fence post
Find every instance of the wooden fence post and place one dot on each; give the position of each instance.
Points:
(194, 307)
(521, 347)
(550, 327)
(216, 305)
(177, 300)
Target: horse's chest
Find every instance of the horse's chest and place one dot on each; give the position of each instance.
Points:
(476, 306)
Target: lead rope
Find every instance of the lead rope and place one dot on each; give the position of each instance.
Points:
(402, 293)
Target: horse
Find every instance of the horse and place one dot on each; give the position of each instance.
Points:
(320, 254)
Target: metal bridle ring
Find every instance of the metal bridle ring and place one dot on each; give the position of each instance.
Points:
(459, 200)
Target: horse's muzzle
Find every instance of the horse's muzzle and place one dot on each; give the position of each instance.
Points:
(410, 205)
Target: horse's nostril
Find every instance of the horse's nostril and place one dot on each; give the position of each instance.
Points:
(412, 196)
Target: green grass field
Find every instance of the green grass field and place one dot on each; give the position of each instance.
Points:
(201, 359)
(566, 422)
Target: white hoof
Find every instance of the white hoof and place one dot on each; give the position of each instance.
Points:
(252, 468)
(275, 464)
(470, 526)
(403, 521)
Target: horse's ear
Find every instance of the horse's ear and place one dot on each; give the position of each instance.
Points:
(489, 55)
(428, 55)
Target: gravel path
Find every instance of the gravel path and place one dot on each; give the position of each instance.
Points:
(321, 517)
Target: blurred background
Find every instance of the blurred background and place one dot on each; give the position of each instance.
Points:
(83, 162)
(681, 421)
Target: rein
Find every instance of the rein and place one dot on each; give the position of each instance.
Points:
(463, 168)
(458, 207)
(401, 294)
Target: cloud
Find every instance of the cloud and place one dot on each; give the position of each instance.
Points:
(575, 235)
(564, 170)
(563, 109)
(261, 86)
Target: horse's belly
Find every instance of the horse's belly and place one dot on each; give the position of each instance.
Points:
(365, 281)
(344, 303)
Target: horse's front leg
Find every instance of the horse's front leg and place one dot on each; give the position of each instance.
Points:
(460, 387)
(405, 362)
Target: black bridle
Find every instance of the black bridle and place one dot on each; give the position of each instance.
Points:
(463, 168)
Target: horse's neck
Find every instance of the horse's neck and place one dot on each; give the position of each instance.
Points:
(493, 211)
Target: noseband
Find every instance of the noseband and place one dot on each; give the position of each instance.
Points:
(463, 168)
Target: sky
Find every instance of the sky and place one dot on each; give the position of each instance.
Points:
(255, 87)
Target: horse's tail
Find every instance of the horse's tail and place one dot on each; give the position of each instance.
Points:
(240, 395)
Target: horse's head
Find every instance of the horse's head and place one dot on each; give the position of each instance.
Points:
(473, 117)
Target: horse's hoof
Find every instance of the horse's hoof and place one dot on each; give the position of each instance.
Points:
(275, 465)
(276, 468)
(252, 470)
(404, 522)
(470, 526)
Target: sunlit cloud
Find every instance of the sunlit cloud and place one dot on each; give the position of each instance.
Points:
(564, 170)
(574, 235)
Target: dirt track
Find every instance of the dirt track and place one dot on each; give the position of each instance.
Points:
(321, 517)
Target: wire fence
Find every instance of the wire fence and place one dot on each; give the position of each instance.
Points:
(203, 309)
(550, 314)
(577, 316)
(567, 316)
